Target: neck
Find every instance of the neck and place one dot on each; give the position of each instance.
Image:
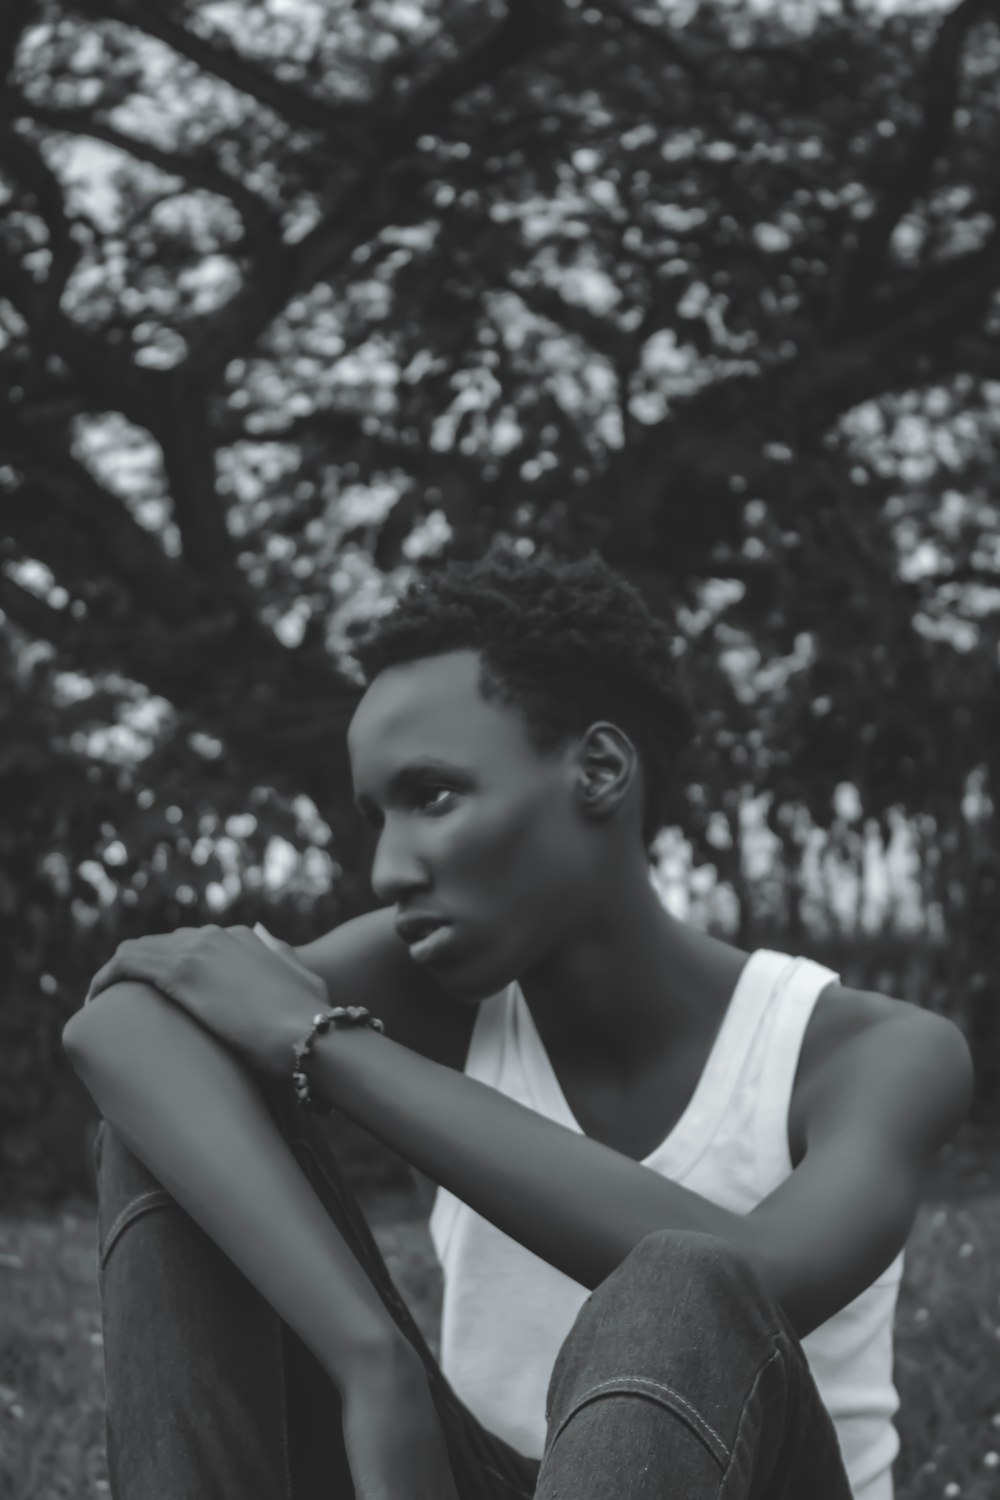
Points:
(631, 986)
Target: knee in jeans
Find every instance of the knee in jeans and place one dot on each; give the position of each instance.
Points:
(695, 1256)
(126, 1189)
(117, 1165)
(717, 1279)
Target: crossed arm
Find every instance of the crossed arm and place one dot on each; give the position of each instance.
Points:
(888, 1098)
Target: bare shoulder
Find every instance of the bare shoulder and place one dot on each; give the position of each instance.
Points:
(364, 962)
(842, 1014)
(858, 1042)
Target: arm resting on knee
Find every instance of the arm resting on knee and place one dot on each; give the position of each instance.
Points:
(194, 1115)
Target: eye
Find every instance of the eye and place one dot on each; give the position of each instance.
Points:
(424, 797)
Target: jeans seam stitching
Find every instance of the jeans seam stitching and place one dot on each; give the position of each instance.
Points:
(644, 1380)
(163, 1200)
(775, 1354)
(619, 1382)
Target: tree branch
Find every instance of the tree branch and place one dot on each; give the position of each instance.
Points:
(721, 430)
(110, 378)
(967, 573)
(939, 85)
(36, 617)
(528, 26)
(978, 356)
(198, 169)
(288, 101)
(61, 489)
(600, 333)
(14, 17)
(176, 418)
(367, 204)
(189, 445)
(695, 58)
(29, 167)
(700, 59)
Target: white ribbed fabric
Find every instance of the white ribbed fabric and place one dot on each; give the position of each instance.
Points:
(506, 1311)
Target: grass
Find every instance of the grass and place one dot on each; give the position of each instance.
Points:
(947, 1337)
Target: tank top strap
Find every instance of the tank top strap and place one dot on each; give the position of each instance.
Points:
(484, 1061)
(799, 987)
(487, 1044)
(723, 1075)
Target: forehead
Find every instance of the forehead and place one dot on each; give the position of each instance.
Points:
(432, 707)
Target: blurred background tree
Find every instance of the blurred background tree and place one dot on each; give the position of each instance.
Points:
(297, 295)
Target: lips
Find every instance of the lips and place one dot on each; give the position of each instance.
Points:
(416, 926)
(438, 942)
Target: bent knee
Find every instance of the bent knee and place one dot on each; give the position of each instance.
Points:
(694, 1256)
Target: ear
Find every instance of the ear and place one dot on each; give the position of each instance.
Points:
(607, 767)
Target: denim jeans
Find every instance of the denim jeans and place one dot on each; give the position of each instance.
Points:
(680, 1374)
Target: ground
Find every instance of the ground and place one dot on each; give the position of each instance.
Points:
(947, 1336)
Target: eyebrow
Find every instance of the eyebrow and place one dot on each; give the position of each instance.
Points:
(406, 776)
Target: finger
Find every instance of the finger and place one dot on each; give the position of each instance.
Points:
(245, 936)
(241, 933)
(258, 934)
(104, 976)
(134, 958)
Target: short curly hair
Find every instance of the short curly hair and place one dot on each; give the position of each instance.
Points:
(566, 642)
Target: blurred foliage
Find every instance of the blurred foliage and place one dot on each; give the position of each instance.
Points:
(294, 296)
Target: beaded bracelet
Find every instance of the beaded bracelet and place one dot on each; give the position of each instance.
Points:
(340, 1015)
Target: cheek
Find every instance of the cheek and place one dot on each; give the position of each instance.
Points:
(517, 850)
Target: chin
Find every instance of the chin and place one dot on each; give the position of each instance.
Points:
(474, 983)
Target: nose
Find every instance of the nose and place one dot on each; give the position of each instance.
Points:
(396, 869)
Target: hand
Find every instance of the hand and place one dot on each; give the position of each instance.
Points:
(393, 1436)
(258, 1001)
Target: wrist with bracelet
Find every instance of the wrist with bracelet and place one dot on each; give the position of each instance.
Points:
(337, 1015)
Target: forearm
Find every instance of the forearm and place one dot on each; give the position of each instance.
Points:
(194, 1115)
(576, 1203)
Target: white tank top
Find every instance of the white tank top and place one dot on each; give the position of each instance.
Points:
(506, 1311)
